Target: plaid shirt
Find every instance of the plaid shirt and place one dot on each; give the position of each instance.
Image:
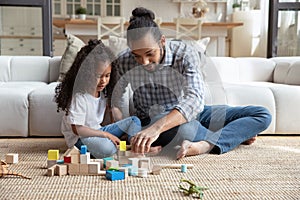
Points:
(175, 84)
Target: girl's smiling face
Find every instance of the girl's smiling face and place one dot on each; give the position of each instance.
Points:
(103, 75)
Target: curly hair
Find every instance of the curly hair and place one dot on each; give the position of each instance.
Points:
(82, 76)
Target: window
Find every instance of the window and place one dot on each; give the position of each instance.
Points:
(65, 8)
(284, 28)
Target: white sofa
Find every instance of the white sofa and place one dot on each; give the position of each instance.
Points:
(27, 86)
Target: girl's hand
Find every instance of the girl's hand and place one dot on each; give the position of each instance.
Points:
(113, 138)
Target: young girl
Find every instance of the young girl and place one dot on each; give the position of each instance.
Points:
(82, 96)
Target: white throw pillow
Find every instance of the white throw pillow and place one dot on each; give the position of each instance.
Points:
(117, 44)
(74, 44)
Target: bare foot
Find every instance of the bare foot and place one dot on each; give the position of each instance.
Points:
(250, 141)
(193, 148)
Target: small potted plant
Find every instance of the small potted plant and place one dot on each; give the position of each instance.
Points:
(236, 6)
(81, 12)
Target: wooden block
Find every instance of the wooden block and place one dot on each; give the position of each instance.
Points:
(156, 170)
(133, 171)
(67, 159)
(114, 175)
(94, 167)
(134, 162)
(142, 172)
(100, 161)
(175, 166)
(85, 158)
(53, 154)
(145, 163)
(121, 153)
(112, 164)
(60, 162)
(73, 168)
(125, 170)
(51, 170)
(51, 163)
(106, 159)
(70, 151)
(75, 158)
(122, 145)
(123, 160)
(61, 170)
(83, 149)
(12, 158)
(83, 169)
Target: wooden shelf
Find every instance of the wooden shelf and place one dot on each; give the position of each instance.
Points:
(20, 37)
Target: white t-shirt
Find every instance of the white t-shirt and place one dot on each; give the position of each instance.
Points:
(85, 110)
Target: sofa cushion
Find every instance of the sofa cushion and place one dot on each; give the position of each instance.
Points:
(287, 98)
(255, 69)
(5, 68)
(29, 68)
(74, 44)
(14, 107)
(44, 120)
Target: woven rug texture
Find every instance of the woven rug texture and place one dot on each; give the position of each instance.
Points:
(267, 169)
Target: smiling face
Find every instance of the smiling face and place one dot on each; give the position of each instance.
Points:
(147, 51)
(103, 75)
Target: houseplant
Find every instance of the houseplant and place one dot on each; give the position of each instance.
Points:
(236, 6)
(81, 12)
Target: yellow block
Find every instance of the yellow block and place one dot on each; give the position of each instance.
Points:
(122, 145)
(53, 154)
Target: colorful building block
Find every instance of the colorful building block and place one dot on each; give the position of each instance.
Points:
(85, 158)
(60, 162)
(73, 169)
(94, 167)
(183, 168)
(53, 154)
(106, 159)
(67, 159)
(83, 149)
(122, 145)
(114, 175)
(61, 170)
(51, 163)
(11, 158)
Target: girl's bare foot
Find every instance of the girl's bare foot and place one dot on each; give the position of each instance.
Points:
(193, 148)
(250, 141)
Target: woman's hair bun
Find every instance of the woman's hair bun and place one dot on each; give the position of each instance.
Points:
(143, 12)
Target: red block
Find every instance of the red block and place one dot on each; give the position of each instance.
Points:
(67, 159)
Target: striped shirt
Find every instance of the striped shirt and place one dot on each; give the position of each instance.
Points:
(176, 83)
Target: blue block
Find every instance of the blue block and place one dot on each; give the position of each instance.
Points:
(60, 161)
(183, 168)
(114, 175)
(83, 149)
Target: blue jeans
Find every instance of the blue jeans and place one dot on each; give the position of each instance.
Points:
(226, 127)
(221, 125)
(100, 147)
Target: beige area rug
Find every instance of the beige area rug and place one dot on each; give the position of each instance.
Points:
(268, 169)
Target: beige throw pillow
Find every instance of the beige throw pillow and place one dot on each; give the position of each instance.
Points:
(74, 44)
(117, 44)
